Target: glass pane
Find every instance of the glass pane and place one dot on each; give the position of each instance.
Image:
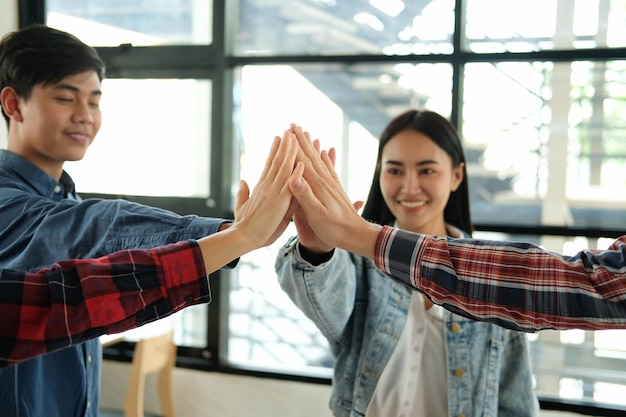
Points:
(302, 27)
(515, 26)
(137, 22)
(575, 364)
(346, 107)
(266, 331)
(146, 146)
(547, 143)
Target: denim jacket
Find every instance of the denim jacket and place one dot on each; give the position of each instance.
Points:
(489, 371)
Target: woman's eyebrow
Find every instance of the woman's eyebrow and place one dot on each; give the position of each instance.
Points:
(418, 163)
(392, 162)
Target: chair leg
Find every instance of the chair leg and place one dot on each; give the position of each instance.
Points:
(166, 392)
(133, 403)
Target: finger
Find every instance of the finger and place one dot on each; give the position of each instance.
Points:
(303, 194)
(282, 162)
(328, 161)
(316, 145)
(358, 204)
(243, 194)
(270, 158)
(287, 167)
(332, 153)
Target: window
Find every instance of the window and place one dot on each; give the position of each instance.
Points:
(537, 97)
(153, 141)
(137, 23)
(543, 136)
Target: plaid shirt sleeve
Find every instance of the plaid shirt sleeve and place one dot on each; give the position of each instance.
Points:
(516, 285)
(77, 300)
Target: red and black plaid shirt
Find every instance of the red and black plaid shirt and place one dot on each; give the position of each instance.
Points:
(77, 300)
(516, 285)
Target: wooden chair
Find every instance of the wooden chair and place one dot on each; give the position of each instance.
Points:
(152, 354)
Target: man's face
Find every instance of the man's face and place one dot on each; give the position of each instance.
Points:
(58, 122)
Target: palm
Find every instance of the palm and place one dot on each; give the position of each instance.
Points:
(308, 238)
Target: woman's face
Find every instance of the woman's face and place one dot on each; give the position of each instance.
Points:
(416, 180)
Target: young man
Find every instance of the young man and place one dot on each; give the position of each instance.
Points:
(516, 285)
(49, 91)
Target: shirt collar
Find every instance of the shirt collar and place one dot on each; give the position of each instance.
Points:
(35, 177)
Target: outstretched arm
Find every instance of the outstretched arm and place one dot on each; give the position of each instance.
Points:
(78, 300)
(516, 285)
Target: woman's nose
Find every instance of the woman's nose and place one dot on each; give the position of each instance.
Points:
(411, 183)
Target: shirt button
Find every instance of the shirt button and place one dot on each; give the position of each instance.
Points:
(88, 358)
(88, 404)
(459, 372)
(57, 189)
(189, 299)
(455, 327)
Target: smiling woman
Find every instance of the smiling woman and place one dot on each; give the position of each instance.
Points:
(410, 360)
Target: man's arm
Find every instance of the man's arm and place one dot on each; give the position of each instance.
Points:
(513, 284)
(77, 300)
(516, 285)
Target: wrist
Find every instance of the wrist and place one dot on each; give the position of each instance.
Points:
(314, 257)
(362, 239)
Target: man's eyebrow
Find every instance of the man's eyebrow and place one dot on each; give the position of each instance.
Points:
(75, 89)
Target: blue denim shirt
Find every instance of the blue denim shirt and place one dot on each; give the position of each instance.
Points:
(43, 221)
(362, 314)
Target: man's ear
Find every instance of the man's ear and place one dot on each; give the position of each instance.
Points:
(10, 103)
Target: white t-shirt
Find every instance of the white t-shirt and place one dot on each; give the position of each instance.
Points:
(414, 382)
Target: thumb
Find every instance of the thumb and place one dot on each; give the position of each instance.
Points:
(242, 195)
(300, 188)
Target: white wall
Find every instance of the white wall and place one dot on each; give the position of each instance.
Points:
(8, 23)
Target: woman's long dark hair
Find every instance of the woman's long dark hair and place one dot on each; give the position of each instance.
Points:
(440, 131)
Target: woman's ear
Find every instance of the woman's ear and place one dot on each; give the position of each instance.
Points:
(457, 176)
(10, 103)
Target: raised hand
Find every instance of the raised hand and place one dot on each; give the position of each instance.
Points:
(329, 213)
(306, 235)
(264, 214)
